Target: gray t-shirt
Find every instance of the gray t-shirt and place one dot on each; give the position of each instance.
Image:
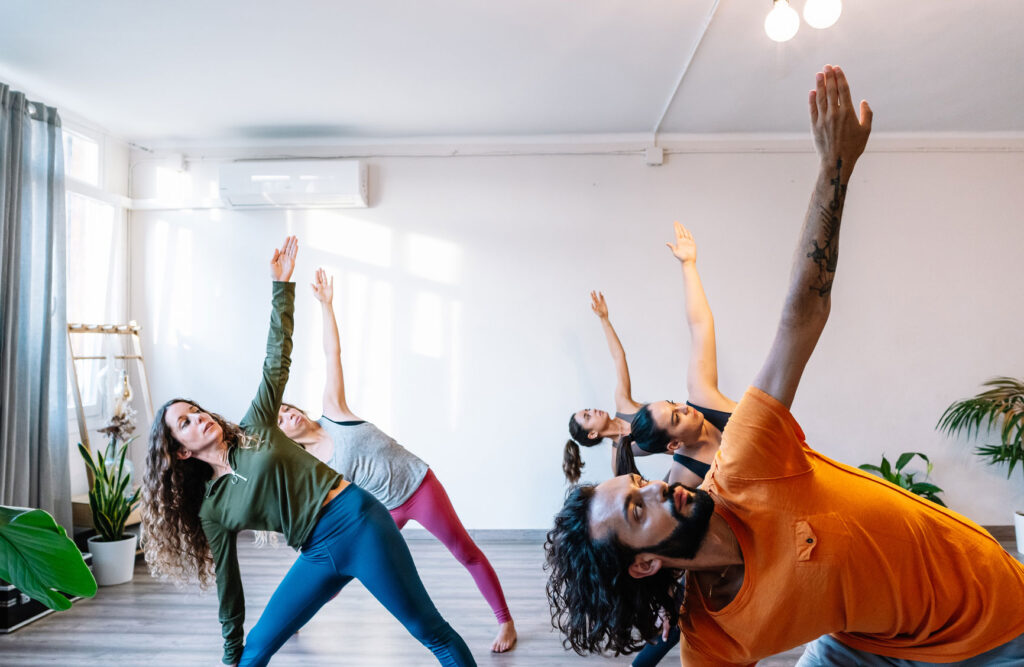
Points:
(373, 461)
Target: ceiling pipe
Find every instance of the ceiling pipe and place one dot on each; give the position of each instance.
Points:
(686, 67)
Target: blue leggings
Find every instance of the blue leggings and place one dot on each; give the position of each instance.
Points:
(652, 654)
(354, 537)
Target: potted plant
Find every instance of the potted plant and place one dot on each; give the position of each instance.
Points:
(906, 480)
(111, 500)
(40, 561)
(999, 408)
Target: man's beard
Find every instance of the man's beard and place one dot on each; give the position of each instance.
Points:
(689, 534)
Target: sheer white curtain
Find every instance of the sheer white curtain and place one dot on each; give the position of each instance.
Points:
(33, 348)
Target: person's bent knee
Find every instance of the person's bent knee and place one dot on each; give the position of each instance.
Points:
(432, 632)
(469, 555)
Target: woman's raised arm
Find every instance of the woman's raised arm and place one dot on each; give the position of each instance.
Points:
(702, 372)
(335, 407)
(623, 390)
(277, 362)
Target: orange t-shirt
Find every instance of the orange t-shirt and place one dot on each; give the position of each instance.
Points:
(829, 549)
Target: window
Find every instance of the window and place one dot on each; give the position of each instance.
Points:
(96, 264)
(81, 158)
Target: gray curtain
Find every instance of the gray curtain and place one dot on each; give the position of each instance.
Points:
(33, 348)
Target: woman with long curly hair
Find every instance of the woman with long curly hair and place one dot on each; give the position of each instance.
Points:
(402, 481)
(207, 479)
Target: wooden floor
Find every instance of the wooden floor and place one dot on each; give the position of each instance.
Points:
(148, 623)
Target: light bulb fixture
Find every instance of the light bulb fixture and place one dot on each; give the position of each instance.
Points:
(822, 13)
(782, 21)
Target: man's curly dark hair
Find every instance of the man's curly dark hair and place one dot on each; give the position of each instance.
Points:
(595, 603)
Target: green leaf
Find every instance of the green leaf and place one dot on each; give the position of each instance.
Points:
(122, 487)
(904, 459)
(39, 559)
(870, 468)
(1009, 424)
(88, 460)
(886, 469)
(101, 465)
(120, 462)
(924, 488)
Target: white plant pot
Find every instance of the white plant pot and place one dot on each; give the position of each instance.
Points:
(1018, 524)
(112, 562)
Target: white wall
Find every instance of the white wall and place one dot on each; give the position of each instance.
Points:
(463, 294)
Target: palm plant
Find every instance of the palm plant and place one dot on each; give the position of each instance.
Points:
(906, 480)
(110, 497)
(1000, 406)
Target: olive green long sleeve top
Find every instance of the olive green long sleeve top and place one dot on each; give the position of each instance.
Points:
(275, 485)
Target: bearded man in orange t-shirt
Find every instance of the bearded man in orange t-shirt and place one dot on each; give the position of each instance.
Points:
(783, 546)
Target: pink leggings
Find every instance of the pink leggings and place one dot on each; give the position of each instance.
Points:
(430, 506)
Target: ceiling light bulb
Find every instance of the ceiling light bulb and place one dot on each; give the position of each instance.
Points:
(782, 21)
(822, 13)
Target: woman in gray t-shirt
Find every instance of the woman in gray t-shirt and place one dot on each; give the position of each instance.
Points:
(373, 461)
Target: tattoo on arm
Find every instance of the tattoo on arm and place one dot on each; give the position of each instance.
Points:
(826, 255)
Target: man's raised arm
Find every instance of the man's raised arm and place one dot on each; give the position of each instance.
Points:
(840, 136)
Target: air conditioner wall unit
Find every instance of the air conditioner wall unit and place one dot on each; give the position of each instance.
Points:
(294, 184)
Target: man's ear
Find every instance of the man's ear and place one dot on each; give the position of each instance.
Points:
(672, 446)
(644, 565)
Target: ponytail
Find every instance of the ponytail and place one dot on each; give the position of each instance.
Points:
(625, 463)
(572, 464)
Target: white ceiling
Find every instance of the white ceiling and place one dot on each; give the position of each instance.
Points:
(257, 71)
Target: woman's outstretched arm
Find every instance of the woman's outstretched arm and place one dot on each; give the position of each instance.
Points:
(335, 406)
(223, 550)
(702, 372)
(623, 390)
(277, 362)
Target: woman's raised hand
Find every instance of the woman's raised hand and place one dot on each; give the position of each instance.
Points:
(283, 262)
(323, 288)
(685, 248)
(598, 305)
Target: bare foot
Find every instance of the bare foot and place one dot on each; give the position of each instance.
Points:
(506, 638)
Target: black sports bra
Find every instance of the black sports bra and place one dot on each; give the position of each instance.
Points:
(718, 419)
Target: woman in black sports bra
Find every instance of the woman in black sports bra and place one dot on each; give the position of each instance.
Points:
(590, 427)
(691, 431)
